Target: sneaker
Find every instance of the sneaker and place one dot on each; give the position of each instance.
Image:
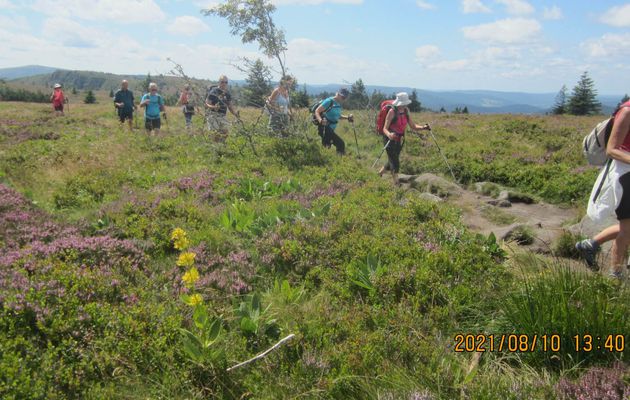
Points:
(588, 250)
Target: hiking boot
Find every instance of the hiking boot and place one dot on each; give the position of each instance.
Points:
(588, 250)
(617, 275)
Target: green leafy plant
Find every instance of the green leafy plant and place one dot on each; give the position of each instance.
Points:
(238, 216)
(200, 345)
(253, 319)
(363, 273)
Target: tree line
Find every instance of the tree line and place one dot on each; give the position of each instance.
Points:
(582, 101)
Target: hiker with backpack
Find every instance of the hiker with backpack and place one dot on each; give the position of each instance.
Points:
(612, 193)
(186, 100)
(326, 115)
(153, 104)
(58, 99)
(391, 122)
(277, 106)
(218, 102)
(123, 101)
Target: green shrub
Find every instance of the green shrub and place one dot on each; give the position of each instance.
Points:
(297, 153)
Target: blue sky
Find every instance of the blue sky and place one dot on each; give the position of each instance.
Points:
(505, 45)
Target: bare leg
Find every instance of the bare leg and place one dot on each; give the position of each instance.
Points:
(607, 234)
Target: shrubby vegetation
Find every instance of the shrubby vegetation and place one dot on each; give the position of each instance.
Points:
(142, 267)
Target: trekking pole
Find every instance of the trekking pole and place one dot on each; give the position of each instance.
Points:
(443, 156)
(355, 138)
(166, 122)
(381, 153)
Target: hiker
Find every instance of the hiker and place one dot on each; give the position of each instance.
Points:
(327, 115)
(187, 101)
(218, 101)
(58, 99)
(618, 192)
(123, 101)
(153, 104)
(277, 105)
(396, 121)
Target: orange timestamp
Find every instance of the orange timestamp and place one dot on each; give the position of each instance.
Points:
(522, 343)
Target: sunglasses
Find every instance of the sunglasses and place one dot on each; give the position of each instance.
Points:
(223, 81)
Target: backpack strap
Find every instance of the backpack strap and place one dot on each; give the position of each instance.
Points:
(601, 183)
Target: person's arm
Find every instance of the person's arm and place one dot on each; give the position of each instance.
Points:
(618, 135)
(233, 110)
(388, 121)
(161, 104)
(321, 119)
(144, 101)
(117, 101)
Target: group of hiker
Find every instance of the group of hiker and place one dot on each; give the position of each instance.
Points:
(393, 120)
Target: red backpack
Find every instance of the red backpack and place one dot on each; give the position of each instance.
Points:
(386, 105)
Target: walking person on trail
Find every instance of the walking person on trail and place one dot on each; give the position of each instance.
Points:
(396, 121)
(187, 101)
(218, 101)
(58, 99)
(153, 104)
(123, 101)
(613, 196)
(279, 108)
(327, 115)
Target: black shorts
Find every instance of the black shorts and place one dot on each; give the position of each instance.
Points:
(151, 124)
(623, 207)
(59, 107)
(125, 114)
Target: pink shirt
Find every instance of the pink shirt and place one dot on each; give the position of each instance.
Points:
(625, 146)
(399, 125)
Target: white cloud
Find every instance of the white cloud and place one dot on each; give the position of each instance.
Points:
(507, 31)
(425, 5)
(617, 16)
(125, 11)
(553, 13)
(326, 62)
(314, 2)
(7, 5)
(608, 46)
(187, 26)
(517, 7)
(474, 6)
(427, 53)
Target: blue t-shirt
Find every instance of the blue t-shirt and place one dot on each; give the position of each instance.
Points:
(152, 110)
(334, 113)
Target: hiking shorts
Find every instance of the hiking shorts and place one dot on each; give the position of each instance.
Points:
(151, 124)
(58, 107)
(217, 122)
(125, 114)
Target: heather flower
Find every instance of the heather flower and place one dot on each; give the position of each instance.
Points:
(190, 277)
(186, 259)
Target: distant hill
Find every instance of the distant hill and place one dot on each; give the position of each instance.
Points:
(477, 101)
(28, 70)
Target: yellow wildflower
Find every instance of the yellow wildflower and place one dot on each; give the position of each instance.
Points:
(194, 300)
(180, 241)
(186, 259)
(190, 277)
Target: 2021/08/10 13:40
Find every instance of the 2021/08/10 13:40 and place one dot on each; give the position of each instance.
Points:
(530, 343)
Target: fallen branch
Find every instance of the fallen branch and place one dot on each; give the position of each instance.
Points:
(263, 354)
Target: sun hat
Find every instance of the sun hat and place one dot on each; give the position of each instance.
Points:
(344, 92)
(402, 99)
(57, 85)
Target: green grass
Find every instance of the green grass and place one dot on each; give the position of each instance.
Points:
(374, 282)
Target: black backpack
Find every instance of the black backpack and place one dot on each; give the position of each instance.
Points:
(315, 106)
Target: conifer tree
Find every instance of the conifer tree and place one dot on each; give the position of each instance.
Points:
(89, 98)
(257, 87)
(415, 105)
(584, 98)
(560, 107)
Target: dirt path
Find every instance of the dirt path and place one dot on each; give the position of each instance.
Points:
(506, 215)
